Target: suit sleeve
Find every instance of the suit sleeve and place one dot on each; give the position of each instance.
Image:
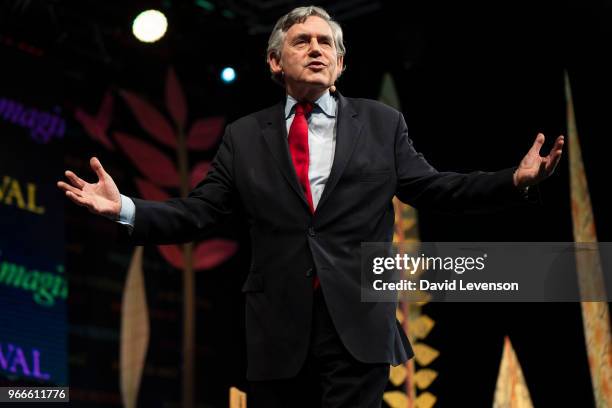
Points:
(179, 220)
(423, 187)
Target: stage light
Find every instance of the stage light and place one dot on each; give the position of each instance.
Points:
(228, 75)
(149, 26)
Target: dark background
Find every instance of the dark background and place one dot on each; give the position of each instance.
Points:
(476, 84)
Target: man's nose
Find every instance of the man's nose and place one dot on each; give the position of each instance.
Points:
(315, 48)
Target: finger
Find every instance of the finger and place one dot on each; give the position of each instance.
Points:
(537, 144)
(97, 167)
(83, 202)
(74, 179)
(67, 187)
(543, 170)
(559, 143)
(552, 160)
(552, 166)
(557, 148)
(556, 153)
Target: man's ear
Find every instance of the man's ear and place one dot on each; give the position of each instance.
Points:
(340, 66)
(274, 63)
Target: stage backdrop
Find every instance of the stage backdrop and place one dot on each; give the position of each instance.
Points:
(33, 282)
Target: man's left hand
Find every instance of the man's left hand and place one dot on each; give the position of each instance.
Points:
(535, 168)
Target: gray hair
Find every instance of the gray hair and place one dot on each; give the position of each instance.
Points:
(295, 16)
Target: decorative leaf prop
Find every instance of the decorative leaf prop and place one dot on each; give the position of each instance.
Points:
(395, 399)
(204, 133)
(198, 173)
(97, 126)
(172, 254)
(134, 339)
(591, 281)
(160, 172)
(213, 252)
(150, 119)
(208, 254)
(398, 374)
(175, 99)
(425, 400)
(149, 160)
(424, 377)
(106, 111)
(424, 354)
(511, 389)
(150, 191)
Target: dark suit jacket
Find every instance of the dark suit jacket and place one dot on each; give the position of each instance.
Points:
(252, 173)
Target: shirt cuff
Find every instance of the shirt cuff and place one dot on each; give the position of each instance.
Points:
(127, 215)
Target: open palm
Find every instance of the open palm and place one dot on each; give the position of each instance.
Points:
(535, 168)
(100, 198)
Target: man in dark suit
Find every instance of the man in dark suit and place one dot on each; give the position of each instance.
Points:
(314, 176)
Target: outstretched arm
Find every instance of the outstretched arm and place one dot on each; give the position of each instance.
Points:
(196, 216)
(421, 185)
(101, 198)
(173, 221)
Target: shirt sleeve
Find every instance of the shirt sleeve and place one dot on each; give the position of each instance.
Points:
(127, 213)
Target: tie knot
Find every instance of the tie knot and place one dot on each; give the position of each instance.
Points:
(303, 108)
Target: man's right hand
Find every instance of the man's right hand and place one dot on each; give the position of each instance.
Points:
(101, 198)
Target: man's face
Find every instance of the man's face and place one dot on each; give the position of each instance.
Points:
(309, 57)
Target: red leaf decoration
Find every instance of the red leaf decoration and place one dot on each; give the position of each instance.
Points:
(97, 126)
(106, 111)
(198, 173)
(172, 254)
(212, 253)
(204, 133)
(93, 128)
(150, 191)
(175, 99)
(150, 119)
(151, 162)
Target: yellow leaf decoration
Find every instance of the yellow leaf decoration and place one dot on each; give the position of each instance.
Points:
(395, 399)
(406, 234)
(398, 374)
(416, 297)
(425, 400)
(421, 326)
(424, 354)
(424, 377)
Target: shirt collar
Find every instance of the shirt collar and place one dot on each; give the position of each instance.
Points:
(326, 103)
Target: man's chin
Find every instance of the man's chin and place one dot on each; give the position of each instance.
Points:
(318, 83)
(309, 86)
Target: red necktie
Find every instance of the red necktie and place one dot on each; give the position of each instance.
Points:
(298, 146)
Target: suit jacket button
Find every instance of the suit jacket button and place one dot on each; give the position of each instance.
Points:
(309, 273)
(311, 231)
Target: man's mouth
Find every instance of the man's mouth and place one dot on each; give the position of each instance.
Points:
(316, 64)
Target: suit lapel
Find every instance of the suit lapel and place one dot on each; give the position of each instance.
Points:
(275, 135)
(347, 135)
